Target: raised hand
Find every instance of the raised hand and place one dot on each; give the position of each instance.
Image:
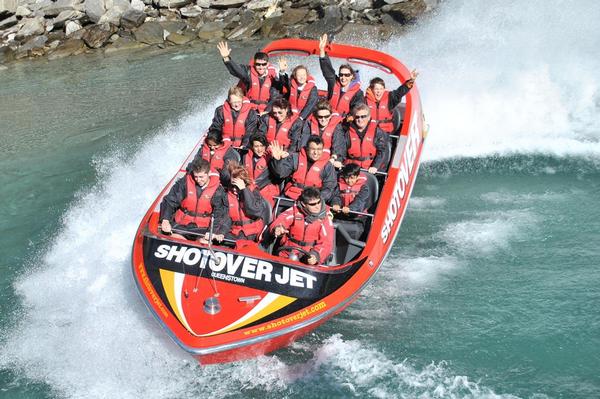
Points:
(322, 44)
(224, 49)
(280, 230)
(239, 183)
(283, 64)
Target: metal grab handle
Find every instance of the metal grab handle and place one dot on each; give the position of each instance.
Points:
(377, 173)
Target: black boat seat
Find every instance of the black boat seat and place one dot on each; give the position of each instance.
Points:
(346, 248)
(373, 185)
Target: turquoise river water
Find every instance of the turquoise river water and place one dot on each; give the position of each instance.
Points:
(492, 289)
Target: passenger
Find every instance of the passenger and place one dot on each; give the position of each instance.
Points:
(256, 162)
(364, 143)
(281, 126)
(308, 168)
(236, 120)
(324, 124)
(248, 210)
(302, 92)
(352, 193)
(306, 226)
(216, 151)
(192, 202)
(343, 91)
(382, 102)
(260, 80)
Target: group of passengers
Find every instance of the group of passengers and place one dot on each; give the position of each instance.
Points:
(275, 137)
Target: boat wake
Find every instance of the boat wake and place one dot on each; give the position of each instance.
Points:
(83, 331)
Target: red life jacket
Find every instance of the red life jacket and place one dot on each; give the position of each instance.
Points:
(362, 152)
(341, 102)
(270, 190)
(327, 134)
(258, 94)
(302, 234)
(298, 100)
(281, 135)
(380, 111)
(217, 159)
(234, 130)
(194, 209)
(305, 176)
(240, 221)
(347, 192)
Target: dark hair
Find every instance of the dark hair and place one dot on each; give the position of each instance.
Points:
(323, 105)
(261, 56)
(298, 67)
(375, 81)
(260, 138)
(200, 165)
(309, 193)
(314, 139)
(349, 170)
(214, 135)
(348, 66)
(281, 103)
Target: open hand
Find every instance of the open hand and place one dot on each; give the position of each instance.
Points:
(224, 49)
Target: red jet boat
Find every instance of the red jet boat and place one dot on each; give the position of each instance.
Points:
(222, 304)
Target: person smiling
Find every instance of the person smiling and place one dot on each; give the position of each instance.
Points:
(325, 124)
(236, 119)
(302, 92)
(281, 126)
(343, 89)
(260, 81)
(365, 144)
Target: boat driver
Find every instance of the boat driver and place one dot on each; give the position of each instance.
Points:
(305, 229)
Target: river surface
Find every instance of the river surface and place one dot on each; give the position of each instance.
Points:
(492, 289)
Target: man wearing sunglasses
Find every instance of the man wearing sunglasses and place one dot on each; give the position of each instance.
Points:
(260, 80)
(343, 90)
(327, 126)
(307, 168)
(365, 143)
(306, 226)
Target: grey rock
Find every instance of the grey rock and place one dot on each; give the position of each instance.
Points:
(33, 43)
(371, 15)
(8, 6)
(406, 12)
(112, 16)
(203, 3)
(171, 3)
(132, 18)
(361, 5)
(94, 9)
(31, 27)
(332, 21)
(245, 31)
(173, 26)
(191, 11)
(261, 4)
(61, 5)
(137, 5)
(123, 44)
(97, 36)
(226, 3)
(293, 16)
(65, 16)
(150, 33)
(212, 31)
(54, 44)
(22, 11)
(67, 48)
(395, 1)
(72, 27)
(273, 28)
(6, 54)
(177, 38)
(8, 22)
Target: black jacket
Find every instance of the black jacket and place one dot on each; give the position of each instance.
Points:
(286, 167)
(331, 79)
(251, 123)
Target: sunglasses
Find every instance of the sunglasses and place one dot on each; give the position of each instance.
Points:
(361, 116)
(346, 75)
(324, 116)
(312, 203)
(260, 63)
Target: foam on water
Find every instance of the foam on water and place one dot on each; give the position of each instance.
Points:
(504, 77)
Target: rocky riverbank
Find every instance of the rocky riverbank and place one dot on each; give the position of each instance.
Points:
(56, 29)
